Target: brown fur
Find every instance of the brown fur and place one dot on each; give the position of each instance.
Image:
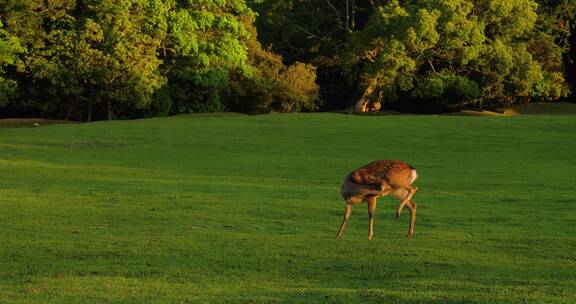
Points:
(377, 179)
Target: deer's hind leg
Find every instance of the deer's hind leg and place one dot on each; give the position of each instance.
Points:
(412, 206)
(404, 195)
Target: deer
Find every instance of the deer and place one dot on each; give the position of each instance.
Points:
(377, 179)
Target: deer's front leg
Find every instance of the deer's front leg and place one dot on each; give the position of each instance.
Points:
(371, 209)
(344, 220)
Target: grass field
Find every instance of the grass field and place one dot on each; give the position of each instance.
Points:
(232, 208)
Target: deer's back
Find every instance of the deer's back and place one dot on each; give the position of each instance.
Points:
(395, 172)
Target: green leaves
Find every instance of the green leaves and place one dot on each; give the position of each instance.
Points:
(510, 18)
(182, 33)
(455, 51)
(445, 88)
(271, 85)
(70, 57)
(206, 42)
(117, 55)
(9, 49)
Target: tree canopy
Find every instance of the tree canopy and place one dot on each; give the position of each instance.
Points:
(456, 51)
(96, 59)
(9, 49)
(134, 57)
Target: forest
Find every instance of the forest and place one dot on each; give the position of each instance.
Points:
(116, 59)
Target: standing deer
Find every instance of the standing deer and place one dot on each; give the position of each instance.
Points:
(377, 179)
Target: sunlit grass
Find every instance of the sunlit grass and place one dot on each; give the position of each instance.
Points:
(245, 209)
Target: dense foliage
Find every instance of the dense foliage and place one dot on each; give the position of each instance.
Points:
(9, 49)
(94, 59)
(455, 51)
(432, 54)
(131, 58)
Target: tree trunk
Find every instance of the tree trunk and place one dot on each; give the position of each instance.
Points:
(362, 103)
(90, 98)
(347, 16)
(109, 110)
(89, 118)
(352, 16)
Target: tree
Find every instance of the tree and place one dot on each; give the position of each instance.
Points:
(34, 23)
(214, 63)
(9, 49)
(94, 52)
(556, 22)
(119, 63)
(272, 86)
(313, 32)
(203, 47)
(450, 52)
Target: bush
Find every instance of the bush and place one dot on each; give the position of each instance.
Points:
(445, 88)
(272, 86)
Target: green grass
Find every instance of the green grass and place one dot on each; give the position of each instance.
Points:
(234, 208)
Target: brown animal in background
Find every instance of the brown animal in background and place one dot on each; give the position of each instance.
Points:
(377, 179)
(375, 106)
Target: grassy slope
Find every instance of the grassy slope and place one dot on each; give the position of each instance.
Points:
(245, 209)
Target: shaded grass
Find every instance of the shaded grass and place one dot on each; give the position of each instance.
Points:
(245, 209)
(29, 122)
(553, 108)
